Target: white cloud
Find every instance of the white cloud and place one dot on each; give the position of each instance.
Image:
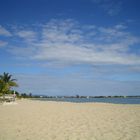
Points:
(117, 35)
(105, 51)
(113, 32)
(78, 54)
(120, 26)
(4, 32)
(72, 85)
(66, 41)
(2, 43)
(27, 35)
(61, 31)
(111, 7)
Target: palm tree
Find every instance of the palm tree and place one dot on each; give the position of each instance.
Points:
(6, 82)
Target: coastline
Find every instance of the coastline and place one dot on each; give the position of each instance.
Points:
(52, 120)
(111, 100)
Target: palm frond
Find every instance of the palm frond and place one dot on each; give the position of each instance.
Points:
(6, 82)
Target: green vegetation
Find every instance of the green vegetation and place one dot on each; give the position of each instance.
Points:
(6, 83)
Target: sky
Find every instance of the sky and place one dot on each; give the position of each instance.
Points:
(70, 47)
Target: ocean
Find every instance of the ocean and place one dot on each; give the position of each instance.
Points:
(102, 100)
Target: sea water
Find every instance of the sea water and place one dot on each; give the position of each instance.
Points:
(127, 100)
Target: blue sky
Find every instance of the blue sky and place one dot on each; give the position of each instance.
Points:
(69, 47)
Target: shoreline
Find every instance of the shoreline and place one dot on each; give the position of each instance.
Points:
(134, 101)
(100, 103)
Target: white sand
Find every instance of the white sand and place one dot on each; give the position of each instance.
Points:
(9, 103)
(38, 120)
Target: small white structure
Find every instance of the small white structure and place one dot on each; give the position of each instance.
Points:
(9, 98)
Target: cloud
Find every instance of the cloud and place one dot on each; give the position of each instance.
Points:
(74, 54)
(75, 58)
(27, 35)
(2, 43)
(61, 31)
(4, 32)
(120, 26)
(111, 7)
(72, 85)
(69, 42)
(117, 35)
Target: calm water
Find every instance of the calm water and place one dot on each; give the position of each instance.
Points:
(103, 100)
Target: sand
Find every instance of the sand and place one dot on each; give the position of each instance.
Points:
(40, 120)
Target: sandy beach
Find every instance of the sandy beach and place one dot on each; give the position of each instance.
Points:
(40, 120)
